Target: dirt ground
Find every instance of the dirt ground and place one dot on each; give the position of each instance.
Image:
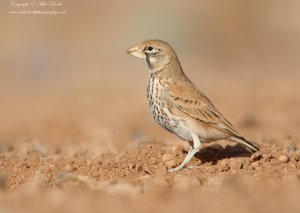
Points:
(136, 180)
(76, 134)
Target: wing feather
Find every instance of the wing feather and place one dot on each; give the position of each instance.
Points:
(196, 105)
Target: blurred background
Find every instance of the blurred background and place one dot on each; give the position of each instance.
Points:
(67, 78)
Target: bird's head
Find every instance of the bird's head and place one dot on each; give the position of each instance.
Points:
(155, 52)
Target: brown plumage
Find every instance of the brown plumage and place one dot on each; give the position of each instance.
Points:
(178, 106)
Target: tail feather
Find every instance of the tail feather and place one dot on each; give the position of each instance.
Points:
(250, 146)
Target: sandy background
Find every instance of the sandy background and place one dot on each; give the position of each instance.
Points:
(75, 131)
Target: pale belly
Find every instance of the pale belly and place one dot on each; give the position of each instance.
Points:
(161, 113)
(182, 126)
(170, 122)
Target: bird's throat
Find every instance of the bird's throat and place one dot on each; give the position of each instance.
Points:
(156, 70)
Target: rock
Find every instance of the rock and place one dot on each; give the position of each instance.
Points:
(177, 149)
(70, 168)
(283, 158)
(296, 157)
(268, 157)
(224, 165)
(88, 162)
(255, 157)
(169, 161)
(139, 168)
(171, 164)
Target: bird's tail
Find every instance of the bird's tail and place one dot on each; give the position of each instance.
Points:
(250, 146)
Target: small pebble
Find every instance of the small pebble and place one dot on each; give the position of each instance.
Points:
(268, 157)
(224, 163)
(170, 164)
(139, 168)
(236, 165)
(255, 164)
(177, 149)
(224, 166)
(255, 157)
(88, 163)
(296, 157)
(69, 168)
(283, 158)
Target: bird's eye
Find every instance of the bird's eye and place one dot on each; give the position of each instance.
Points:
(150, 50)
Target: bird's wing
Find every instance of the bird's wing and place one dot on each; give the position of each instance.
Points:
(195, 104)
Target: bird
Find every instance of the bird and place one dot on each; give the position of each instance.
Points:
(178, 105)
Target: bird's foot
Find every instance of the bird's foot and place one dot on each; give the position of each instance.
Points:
(180, 167)
(176, 169)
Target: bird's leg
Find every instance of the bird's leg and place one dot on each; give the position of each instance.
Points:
(193, 150)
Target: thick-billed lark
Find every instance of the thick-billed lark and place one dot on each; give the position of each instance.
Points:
(178, 106)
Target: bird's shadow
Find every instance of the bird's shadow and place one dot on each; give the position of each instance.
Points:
(216, 152)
